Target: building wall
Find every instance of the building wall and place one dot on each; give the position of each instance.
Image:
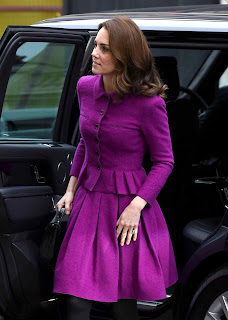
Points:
(26, 12)
(82, 6)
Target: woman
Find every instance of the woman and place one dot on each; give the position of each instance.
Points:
(117, 247)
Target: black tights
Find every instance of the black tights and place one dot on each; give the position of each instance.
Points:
(79, 309)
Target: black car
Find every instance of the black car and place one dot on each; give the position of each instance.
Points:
(39, 69)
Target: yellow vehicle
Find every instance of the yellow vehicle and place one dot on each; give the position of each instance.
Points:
(26, 12)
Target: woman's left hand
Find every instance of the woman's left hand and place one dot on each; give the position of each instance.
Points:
(129, 221)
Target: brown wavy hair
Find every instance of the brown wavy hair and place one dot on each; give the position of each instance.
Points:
(135, 69)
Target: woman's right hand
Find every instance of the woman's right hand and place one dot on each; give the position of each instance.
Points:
(66, 201)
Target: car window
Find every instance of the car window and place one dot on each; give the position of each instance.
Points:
(34, 90)
(189, 61)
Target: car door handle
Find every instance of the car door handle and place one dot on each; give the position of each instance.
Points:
(39, 179)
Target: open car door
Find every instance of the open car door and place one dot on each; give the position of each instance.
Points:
(39, 69)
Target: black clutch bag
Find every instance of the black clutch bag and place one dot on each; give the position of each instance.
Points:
(52, 239)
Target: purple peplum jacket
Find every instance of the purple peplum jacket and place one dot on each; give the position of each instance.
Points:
(115, 136)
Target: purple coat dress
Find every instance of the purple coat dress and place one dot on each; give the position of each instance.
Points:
(108, 163)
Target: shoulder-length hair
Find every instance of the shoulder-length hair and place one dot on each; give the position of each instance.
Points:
(135, 69)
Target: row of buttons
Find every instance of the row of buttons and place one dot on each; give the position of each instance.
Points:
(97, 140)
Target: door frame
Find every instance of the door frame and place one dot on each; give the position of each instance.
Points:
(11, 41)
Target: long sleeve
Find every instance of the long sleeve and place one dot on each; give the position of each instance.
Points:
(80, 151)
(78, 159)
(156, 132)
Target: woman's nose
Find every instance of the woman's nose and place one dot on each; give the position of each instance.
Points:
(94, 52)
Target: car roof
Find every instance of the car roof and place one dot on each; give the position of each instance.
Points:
(190, 18)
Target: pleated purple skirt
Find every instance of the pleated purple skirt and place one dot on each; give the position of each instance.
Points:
(92, 264)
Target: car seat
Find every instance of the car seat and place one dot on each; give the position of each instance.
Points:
(199, 230)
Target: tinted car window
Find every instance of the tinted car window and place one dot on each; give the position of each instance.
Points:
(34, 90)
(185, 57)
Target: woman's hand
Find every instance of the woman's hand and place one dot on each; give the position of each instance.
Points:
(66, 201)
(129, 221)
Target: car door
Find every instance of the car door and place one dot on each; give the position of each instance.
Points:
(39, 69)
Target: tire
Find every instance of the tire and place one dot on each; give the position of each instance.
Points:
(211, 297)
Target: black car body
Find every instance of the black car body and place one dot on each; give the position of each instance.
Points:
(39, 69)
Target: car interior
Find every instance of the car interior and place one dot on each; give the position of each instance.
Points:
(195, 194)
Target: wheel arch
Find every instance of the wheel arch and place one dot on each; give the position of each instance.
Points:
(197, 276)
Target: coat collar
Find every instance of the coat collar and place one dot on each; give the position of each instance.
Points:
(98, 89)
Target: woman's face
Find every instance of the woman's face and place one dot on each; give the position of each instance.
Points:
(103, 60)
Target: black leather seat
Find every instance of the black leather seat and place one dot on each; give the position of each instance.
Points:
(196, 232)
(213, 189)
